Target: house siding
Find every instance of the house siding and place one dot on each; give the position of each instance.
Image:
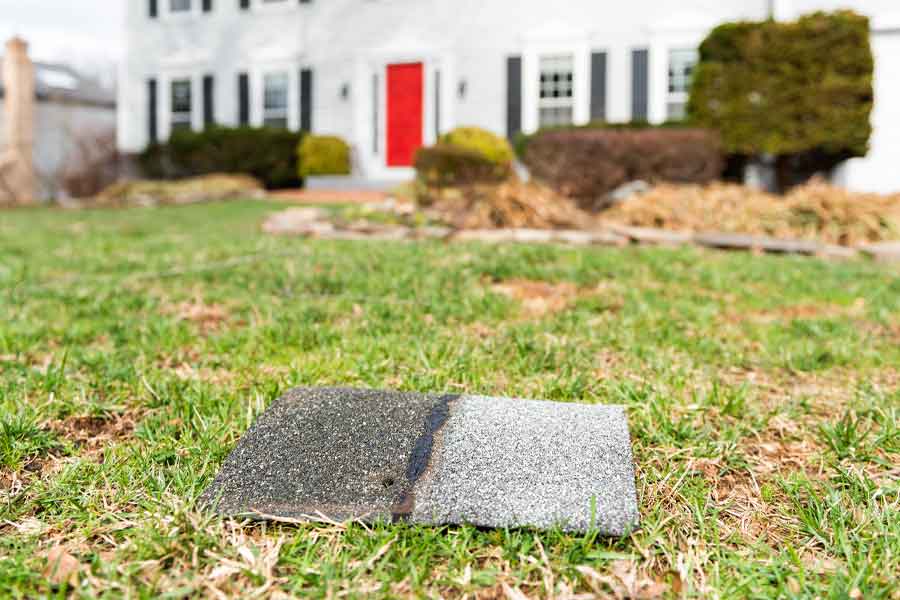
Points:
(349, 43)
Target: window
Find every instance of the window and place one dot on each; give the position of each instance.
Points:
(275, 100)
(557, 99)
(181, 104)
(177, 6)
(681, 71)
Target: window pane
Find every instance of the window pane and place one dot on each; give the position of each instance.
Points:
(681, 70)
(276, 91)
(275, 100)
(181, 104)
(677, 111)
(179, 5)
(555, 116)
(557, 76)
(556, 103)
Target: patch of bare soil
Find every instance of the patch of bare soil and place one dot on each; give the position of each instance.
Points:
(798, 312)
(91, 434)
(538, 298)
(816, 210)
(511, 204)
(209, 318)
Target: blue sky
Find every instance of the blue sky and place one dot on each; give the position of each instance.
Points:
(85, 33)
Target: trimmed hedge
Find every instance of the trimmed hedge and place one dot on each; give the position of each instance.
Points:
(481, 141)
(444, 165)
(521, 141)
(788, 88)
(268, 154)
(323, 155)
(587, 164)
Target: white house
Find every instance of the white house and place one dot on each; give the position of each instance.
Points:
(390, 75)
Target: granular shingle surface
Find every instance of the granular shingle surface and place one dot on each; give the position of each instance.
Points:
(503, 462)
(433, 459)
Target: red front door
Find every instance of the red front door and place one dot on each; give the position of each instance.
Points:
(404, 113)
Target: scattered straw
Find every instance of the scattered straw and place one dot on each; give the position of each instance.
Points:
(816, 210)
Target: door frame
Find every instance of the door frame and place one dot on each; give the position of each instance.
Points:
(375, 63)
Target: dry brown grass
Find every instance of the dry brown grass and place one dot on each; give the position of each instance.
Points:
(816, 210)
(509, 204)
(206, 188)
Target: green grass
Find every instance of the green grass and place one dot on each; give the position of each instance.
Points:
(762, 394)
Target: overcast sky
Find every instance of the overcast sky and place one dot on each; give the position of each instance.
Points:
(84, 33)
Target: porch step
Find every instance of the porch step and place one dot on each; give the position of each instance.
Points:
(342, 183)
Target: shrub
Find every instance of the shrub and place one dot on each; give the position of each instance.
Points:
(492, 147)
(521, 141)
(323, 155)
(788, 89)
(267, 154)
(587, 164)
(444, 165)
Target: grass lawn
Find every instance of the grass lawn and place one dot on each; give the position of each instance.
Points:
(136, 346)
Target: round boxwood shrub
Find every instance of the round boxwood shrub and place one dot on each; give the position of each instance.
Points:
(323, 155)
(480, 141)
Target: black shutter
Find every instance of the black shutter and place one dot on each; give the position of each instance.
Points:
(152, 130)
(207, 5)
(598, 86)
(243, 99)
(639, 84)
(209, 106)
(153, 9)
(245, 4)
(513, 96)
(306, 99)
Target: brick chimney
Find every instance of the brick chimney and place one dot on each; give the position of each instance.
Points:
(17, 175)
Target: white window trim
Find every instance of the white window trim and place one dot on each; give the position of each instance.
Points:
(164, 101)
(661, 43)
(531, 81)
(674, 97)
(287, 99)
(257, 75)
(555, 103)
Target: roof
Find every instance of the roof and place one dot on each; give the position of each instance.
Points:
(61, 83)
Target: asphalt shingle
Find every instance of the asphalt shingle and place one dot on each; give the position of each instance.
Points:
(433, 459)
